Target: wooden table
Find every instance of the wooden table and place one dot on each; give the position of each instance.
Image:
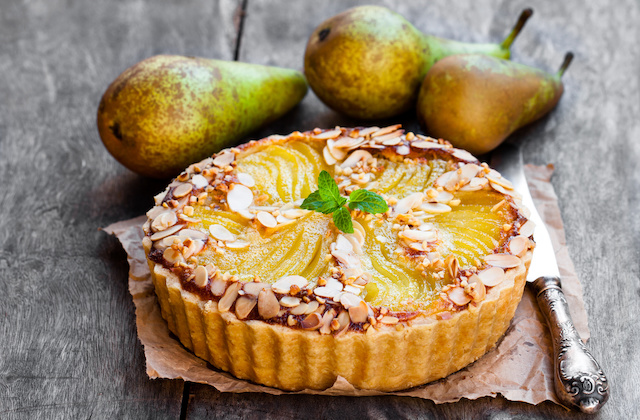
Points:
(68, 345)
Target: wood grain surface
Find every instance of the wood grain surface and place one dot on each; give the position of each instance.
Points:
(68, 345)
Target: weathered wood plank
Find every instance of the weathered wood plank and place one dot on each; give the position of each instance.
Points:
(68, 344)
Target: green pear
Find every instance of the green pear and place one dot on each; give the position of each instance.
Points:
(475, 101)
(167, 111)
(368, 62)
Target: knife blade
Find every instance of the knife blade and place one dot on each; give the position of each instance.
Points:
(579, 381)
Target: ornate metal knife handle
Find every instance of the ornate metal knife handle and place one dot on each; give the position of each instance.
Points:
(579, 380)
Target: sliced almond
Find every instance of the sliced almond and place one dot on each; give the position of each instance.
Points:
(443, 197)
(193, 234)
(448, 180)
(244, 306)
(491, 276)
(435, 208)
(475, 184)
(172, 256)
(246, 214)
(254, 288)
(464, 155)
(268, 305)
(294, 213)
(312, 306)
(495, 177)
(182, 190)
(348, 259)
(328, 157)
(452, 266)
(403, 150)
(164, 220)
(325, 292)
(477, 289)
(300, 309)
(359, 313)
(502, 260)
(458, 296)
(221, 233)
(290, 301)
(389, 320)
(224, 159)
(527, 229)
(313, 321)
(237, 244)
(246, 180)
(408, 203)
(199, 182)
(218, 286)
(155, 212)
(468, 172)
(230, 295)
(332, 134)
(518, 245)
(424, 144)
(326, 321)
(349, 300)
(385, 130)
(283, 285)
(343, 244)
(355, 157)
(239, 197)
(368, 131)
(165, 233)
(266, 219)
(418, 235)
(337, 153)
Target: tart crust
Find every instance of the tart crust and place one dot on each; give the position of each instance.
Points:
(383, 358)
(427, 347)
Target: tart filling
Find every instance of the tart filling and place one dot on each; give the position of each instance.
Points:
(228, 244)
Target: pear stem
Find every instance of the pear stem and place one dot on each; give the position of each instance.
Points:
(565, 64)
(524, 16)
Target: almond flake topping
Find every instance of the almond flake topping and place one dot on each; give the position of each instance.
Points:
(239, 197)
(165, 233)
(356, 157)
(201, 276)
(328, 134)
(199, 181)
(408, 203)
(246, 179)
(221, 233)
(224, 159)
(502, 260)
(284, 284)
(266, 219)
(491, 276)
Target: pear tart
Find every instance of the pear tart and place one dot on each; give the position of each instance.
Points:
(276, 294)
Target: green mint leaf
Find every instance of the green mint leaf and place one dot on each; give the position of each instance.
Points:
(342, 220)
(367, 201)
(316, 203)
(328, 188)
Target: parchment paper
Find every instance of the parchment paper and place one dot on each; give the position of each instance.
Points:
(519, 368)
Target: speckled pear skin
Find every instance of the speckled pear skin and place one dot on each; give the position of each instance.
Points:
(168, 111)
(476, 102)
(368, 62)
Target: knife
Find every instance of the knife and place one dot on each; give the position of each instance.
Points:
(579, 381)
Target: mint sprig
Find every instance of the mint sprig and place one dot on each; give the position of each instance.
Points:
(327, 199)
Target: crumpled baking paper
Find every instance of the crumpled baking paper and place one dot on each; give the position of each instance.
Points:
(520, 368)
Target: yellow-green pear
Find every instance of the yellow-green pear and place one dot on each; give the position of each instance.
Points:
(368, 62)
(475, 101)
(169, 111)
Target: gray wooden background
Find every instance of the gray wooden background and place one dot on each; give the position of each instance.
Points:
(68, 346)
